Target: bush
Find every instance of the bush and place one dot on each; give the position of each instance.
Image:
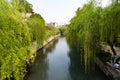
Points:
(14, 42)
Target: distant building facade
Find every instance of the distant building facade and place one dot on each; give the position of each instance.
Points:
(52, 24)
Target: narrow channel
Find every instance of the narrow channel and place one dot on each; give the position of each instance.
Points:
(58, 62)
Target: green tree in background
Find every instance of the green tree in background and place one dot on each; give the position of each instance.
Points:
(37, 28)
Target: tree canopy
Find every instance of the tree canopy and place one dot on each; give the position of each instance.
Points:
(14, 42)
(16, 38)
(37, 28)
(93, 25)
(22, 5)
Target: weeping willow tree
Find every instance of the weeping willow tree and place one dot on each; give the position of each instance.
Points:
(111, 25)
(37, 28)
(84, 27)
(92, 25)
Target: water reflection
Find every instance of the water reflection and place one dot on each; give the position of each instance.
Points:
(77, 68)
(58, 61)
(39, 68)
(50, 46)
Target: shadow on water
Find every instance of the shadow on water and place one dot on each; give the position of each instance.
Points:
(48, 48)
(57, 61)
(77, 68)
(39, 69)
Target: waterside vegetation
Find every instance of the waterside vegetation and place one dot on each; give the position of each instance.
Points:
(92, 26)
(17, 36)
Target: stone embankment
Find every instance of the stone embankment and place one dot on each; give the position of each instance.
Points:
(109, 71)
(107, 68)
(52, 38)
(34, 48)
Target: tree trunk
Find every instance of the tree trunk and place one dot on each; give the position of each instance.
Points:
(113, 50)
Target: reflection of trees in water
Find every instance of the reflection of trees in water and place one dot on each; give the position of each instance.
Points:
(77, 67)
(40, 67)
(51, 46)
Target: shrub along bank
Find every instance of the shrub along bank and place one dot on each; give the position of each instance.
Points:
(17, 36)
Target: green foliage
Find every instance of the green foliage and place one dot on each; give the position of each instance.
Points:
(14, 43)
(17, 36)
(84, 29)
(63, 29)
(91, 26)
(22, 5)
(110, 24)
(104, 56)
(51, 32)
(37, 28)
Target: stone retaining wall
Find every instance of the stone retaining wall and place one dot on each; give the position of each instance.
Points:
(109, 71)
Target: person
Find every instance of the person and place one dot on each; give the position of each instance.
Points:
(116, 65)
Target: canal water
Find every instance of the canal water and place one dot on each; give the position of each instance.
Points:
(57, 61)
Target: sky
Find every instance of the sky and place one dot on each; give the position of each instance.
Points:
(60, 11)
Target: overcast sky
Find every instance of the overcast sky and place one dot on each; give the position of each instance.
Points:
(60, 11)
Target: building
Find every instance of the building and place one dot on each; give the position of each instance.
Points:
(52, 24)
